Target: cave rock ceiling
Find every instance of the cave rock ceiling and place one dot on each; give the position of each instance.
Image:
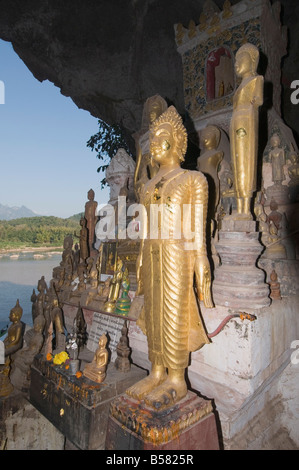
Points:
(109, 56)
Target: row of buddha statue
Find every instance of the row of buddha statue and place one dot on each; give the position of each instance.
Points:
(49, 337)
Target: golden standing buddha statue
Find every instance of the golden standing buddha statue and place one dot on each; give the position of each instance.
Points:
(166, 267)
(244, 127)
(115, 286)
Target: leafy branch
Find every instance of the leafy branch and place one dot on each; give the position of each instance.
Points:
(106, 142)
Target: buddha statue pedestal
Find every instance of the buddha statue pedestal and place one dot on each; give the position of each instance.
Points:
(238, 282)
(78, 407)
(279, 192)
(188, 425)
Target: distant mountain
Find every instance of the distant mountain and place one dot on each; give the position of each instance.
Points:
(10, 213)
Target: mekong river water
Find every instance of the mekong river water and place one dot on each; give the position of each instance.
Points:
(19, 275)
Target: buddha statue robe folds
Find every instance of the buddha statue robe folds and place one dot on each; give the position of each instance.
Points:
(168, 268)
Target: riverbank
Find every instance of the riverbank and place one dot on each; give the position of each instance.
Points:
(19, 275)
(31, 249)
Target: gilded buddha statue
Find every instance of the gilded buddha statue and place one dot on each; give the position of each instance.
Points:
(277, 158)
(12, 343)
(209, 161)
(244, 127)
(14, 339)
(96, 370)
(166, 266)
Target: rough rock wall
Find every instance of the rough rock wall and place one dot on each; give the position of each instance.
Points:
(108, 56)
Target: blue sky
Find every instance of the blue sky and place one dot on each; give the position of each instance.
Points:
(45, 163)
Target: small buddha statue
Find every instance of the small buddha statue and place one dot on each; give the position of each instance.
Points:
(275, 216)
(81, 275)
(277, 158)
(274, 286)
(115, 286)
(110, 264)
(6, 387)
(209, 161)
(83, 237)
(91, 218)
(67, 261)
(80, 329)
(96, 370)
(14, 339)
(92, 292)
(42, 291)
(104, 289)
(33, 299)
(57, 321)
(76, 256)
(274, 247)
(58, 279)
(122, 362)
(263, 225)
(48, 344)
(20, 374)
(47, 310)
(278, 190)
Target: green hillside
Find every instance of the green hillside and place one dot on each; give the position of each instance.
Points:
(37, 231)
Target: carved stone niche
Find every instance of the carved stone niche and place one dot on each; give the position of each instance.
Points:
(208, 58)
(219, 73)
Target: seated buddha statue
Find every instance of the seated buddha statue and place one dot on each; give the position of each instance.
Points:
(14, 340)
(96, 370)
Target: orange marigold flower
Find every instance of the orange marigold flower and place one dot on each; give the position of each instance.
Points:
(78, 374)
(67, 366)
(49, 357)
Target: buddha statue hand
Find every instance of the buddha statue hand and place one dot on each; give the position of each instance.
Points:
(203, 280)
(139, 290)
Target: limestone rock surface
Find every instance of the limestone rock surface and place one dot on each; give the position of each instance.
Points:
(110, 56)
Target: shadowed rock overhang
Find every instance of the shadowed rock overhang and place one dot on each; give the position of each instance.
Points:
(109, 56)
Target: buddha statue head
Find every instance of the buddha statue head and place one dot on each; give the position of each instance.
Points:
(247, 58)
(90, 195)
(16, 313)
(275, 140)
(210, 137)
(153, 108)
(168, 137)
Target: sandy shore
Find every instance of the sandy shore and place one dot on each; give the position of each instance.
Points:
(43, 249)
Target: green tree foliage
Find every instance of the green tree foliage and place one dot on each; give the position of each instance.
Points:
(37, 231)
(106, 143)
